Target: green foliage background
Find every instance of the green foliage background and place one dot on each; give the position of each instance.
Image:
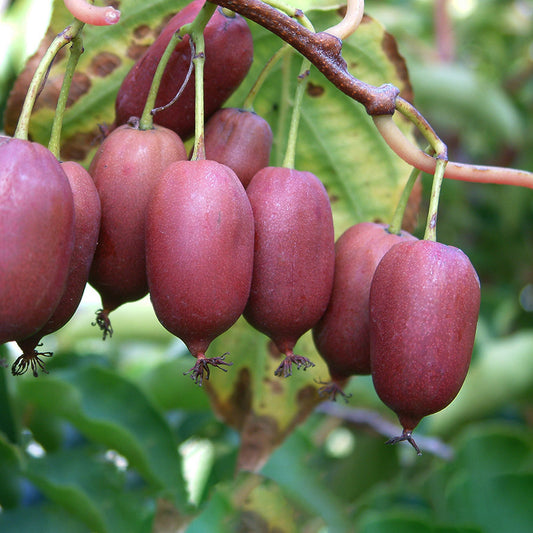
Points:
(116, 439)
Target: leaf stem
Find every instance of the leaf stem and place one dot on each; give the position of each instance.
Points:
(40, 75)
(413, 155)
(76, 49)
(94, 15)
(355, 10)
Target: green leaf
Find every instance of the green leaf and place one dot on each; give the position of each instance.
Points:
(47, 518)
(395, 522)
(499, 503)
(10, 465)
(110, 410)
(92, 489)
(8, 422)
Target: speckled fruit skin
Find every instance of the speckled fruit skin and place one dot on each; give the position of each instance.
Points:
(424, 306)
(199, 250)
(86, 227)
(294, 254)
(228, 56)
(37, 229)
(240, 139)
(342, 335)
(125, 169)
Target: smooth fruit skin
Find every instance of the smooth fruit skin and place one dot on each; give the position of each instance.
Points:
(228, 57)
(342, 335)
(125, 169)
(294, 256)
(199, 250)
(240, 139)
(86, 227)
(424, 306)
(37, 229)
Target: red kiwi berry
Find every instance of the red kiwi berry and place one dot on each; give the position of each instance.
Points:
(342, 335)
(294, 258)
(424, 306)
(87, 223)
(125, 169)
(37, 228)
(228, 57)
(239, 139)
(199, 252)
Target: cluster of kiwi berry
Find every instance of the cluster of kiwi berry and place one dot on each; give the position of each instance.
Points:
(214, 238)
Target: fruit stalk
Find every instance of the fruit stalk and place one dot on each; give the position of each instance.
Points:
(290, 154)
(76, 49)
(198, 58)
(431, 224)
(198, 24)
(40, 75)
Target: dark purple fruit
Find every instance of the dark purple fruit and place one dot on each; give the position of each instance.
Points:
(424, 306)
(294, 258)
(342, 335)
(199, 251)
(125, 169)
(87, 223)
(37, 229)
(228, 56)
(239, 139)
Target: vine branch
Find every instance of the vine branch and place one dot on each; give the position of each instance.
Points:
(323, 50)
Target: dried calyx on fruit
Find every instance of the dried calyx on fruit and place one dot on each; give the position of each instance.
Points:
(199, 252)
(125, 169)
(342, 335)
(86, 226)
(228, 57)
(424, 306)
(294, 258)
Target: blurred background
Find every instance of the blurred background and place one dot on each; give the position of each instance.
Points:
(470, 64)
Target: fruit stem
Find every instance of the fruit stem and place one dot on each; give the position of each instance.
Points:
(431, 224)
(76, 49)
(248, 103)
(395, 227)
(197, 25)
(284, 108)
(40, 75)
(147, 117)
(290, 154)
(197, 37)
